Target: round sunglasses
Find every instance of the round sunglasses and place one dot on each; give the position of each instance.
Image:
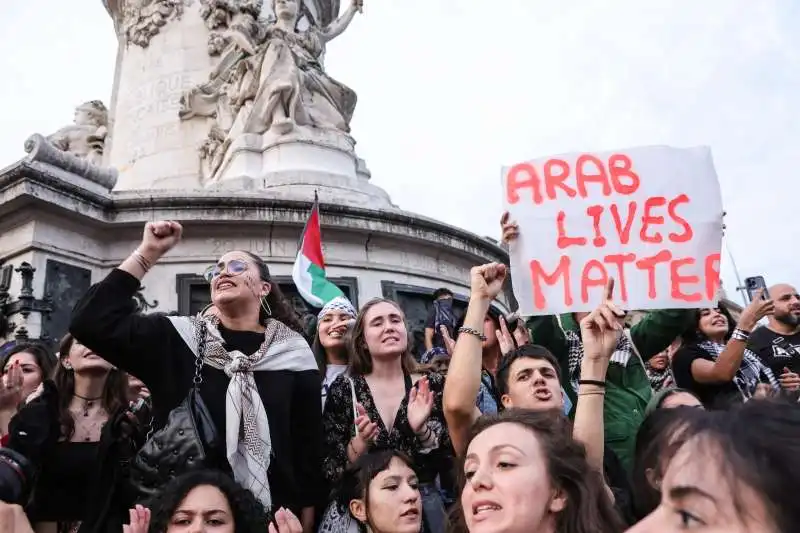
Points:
(234, 267)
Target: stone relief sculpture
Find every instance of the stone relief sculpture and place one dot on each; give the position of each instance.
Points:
(270, 77)
(86, 137)
(142, 19)
(77, 148)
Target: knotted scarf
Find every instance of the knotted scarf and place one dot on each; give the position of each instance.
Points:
(248, 444)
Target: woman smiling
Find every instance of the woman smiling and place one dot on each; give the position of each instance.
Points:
(246, 361)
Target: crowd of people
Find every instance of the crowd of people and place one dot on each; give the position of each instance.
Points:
(241, 420)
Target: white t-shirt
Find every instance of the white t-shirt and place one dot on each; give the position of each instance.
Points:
(331, 373)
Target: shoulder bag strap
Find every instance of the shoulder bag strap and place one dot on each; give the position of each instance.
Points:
(202, 333)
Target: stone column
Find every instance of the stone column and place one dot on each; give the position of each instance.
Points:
(163, 53)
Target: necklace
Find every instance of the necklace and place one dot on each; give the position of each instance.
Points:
(87, 403)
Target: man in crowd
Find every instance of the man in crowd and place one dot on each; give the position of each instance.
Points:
(440, 315)
(628, 389)
(778, 343)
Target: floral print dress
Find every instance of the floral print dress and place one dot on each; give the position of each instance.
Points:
(338, 427)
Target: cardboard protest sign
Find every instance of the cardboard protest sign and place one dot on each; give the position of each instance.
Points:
(650, 217)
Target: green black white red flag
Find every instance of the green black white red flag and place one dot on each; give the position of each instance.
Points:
(308, 272)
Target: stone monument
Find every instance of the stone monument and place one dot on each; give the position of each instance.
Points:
(223, 117)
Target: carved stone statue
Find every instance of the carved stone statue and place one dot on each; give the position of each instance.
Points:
(142, 19)
(270, 77)
(85, 138)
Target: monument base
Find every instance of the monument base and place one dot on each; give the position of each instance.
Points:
(74, 234)
(295, 164)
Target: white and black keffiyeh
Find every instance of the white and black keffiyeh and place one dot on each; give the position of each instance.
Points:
(751, 372)
(340, 303)
(622, 354)
(660, 379)
(247, 437)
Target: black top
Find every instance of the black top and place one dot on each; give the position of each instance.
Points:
(775, 350)
(147, 346)
(339, 427)
(713, 395)
(64, 483)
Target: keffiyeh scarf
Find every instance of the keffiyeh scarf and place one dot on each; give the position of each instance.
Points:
(248, 445)
(622, 354)
(341, 304)
(751, 372)
(660, 379)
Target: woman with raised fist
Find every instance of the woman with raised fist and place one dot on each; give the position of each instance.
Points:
(236, 390)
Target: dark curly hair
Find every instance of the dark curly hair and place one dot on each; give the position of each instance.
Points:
(249, 515)
(275, 301)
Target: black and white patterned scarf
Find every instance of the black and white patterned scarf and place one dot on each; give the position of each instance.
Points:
(248, 444)
(751, 372)
(622, 354)
(660, 379)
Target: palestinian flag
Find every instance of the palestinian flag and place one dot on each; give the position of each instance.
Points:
(308, 272)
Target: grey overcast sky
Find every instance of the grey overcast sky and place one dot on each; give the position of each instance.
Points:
(451, 90)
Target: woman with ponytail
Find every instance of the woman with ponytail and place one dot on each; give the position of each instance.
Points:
(243, 372)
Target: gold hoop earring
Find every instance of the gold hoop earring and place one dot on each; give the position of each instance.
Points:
(265, 306)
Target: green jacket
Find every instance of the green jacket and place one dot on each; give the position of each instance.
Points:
(628, 388)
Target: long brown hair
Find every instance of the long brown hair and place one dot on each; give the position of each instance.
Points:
(588, 508)
(275, 301)
(360, 358)
(115, 390)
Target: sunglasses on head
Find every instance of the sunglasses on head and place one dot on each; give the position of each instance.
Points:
(234, 267)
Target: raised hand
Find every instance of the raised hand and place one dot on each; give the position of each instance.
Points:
(755, 311)
(601, 329)
(509, 228)
(366, 431)
(140, 520)
(486, 281)
(159, 238)
(286, 522)
(420, 404)
(11, 387)
(504, 337)
(358, 5)
(449, 343)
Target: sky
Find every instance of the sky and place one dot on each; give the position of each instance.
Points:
(448, 92)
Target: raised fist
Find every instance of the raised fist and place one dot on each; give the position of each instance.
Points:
(159, 238)
(486, 281)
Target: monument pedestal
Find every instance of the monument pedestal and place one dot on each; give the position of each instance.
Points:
(297, 164)
(74, 234)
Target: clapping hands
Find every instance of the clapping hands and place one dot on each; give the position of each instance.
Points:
(420, 404)
(366, 431)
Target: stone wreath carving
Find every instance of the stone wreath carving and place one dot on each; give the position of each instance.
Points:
(143, 19)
